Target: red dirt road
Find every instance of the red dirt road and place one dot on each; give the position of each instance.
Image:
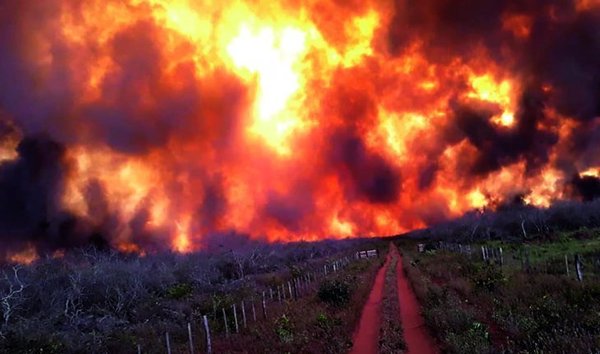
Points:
(416, 336)
(366, 336)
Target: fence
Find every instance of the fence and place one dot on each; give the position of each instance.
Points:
(366, 254)
(569, 265)
(241, 312)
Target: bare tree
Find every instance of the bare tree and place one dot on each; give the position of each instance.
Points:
(12, 295)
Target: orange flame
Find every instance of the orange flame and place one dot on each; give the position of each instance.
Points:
(271, 84)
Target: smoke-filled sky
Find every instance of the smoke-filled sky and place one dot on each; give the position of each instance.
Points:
(156, 124)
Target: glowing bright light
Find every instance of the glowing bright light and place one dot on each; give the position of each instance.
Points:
(486, 88)
(477, 199)
(591, 172)
(273, 57)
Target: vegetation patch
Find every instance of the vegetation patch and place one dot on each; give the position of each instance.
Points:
(475, 307)
(179, 291)
(335, 292)
(391, 336)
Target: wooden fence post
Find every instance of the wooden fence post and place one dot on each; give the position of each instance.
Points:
(244, 313)
(278, 294)
(139, 348)
(298, 288)
(225, 321)
(295, 287)
(190, 338)
(578, 267)
(253, 311)
(290, 289)
(501, 257)
(168, 343)
(207, 332)
(237, 329)
(264, 305)
(567, 264)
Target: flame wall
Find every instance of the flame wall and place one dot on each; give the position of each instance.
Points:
(153, 124)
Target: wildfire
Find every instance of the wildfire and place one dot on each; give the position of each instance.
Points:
(25, 256)
(272, 57)
(503, 93)
(291, 120)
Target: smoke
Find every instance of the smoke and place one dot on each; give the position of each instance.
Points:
(167, 125)
(30, 187)
(365, 175)
(497, 147)
(587, 187)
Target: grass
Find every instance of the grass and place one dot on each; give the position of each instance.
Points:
(97, 302)
(313, 324)
(549, 256)
(473, 307)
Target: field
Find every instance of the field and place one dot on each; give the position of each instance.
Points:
(518, 280)
(104, 302)
(529, 303)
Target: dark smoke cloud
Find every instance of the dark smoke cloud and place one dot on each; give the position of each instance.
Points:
(37, 95)
(586, 187)
(292, 210)
(562, 50)
(565, 54)
(214, 204)
(139, 108)
(30, 188)
(497, 146)
(427, 175)
(364, 174)
(446, 27)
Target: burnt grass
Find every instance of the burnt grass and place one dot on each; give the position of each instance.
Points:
(92, 301)
(475, 307)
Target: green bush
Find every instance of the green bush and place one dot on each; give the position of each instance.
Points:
(335, 292)
(487, 277)
(474, 340)
(284, 329)
(19, 345)
(179, 291)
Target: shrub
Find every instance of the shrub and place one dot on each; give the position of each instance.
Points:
(334, 292)
(284, 329)
(179, 291)
(487, 277)
(474, 340)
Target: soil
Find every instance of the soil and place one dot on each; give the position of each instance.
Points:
(418, 340)
(366, 336)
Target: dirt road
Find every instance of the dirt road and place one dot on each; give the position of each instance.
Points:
(416, 336)
(366, 336)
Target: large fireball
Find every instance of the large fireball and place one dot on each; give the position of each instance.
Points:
(152, 124)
